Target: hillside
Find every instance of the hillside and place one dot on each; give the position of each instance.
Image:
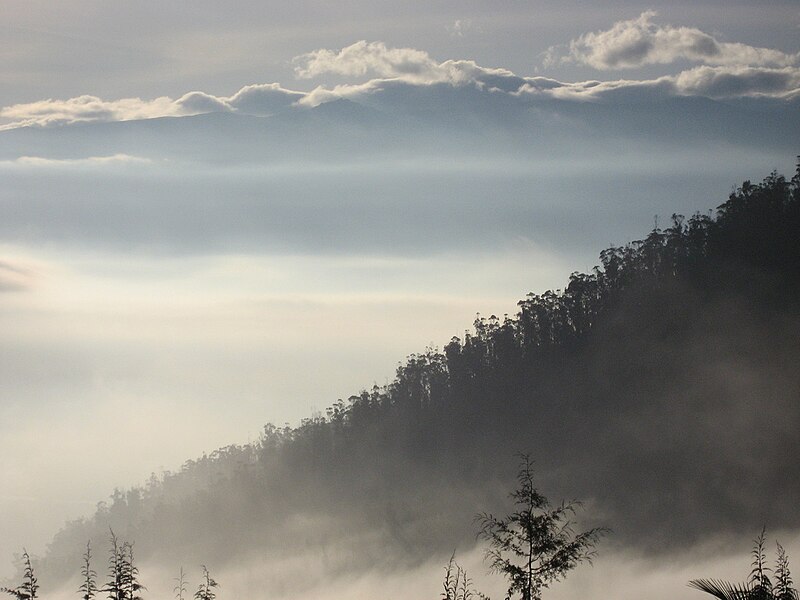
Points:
(661, 387)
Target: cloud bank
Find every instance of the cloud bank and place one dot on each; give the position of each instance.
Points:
(728, 70)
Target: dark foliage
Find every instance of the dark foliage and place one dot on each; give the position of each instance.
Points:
(123, 574)
(535, 545)
(88, 588)
(30, 585)
(759, 585)
(457, 585)
(205, 590)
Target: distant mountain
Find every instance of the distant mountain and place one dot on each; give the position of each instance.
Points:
(661, 388)
(425, 121)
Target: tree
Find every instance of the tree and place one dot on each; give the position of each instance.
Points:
(30, 585)
(114, 587)
(759, 586)
(131, 587)
(456, 584)
(784, 586)
(123, 575)
(180, 585)
(535, 545)
(88, 588)
(206, 589)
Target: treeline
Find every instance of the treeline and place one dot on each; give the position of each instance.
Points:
(634, 386)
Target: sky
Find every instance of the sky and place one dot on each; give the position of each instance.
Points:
(168, 288)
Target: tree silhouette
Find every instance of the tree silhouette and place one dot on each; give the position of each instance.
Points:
(759, 586)
(132, 588)
(114, 587)
(784, 586)
(205, 590)
(30, 585)
(535, 545)
(88, 587)
(123, 575)
(180, 585)
(457, 585)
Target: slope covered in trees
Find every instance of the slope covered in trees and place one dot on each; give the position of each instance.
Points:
(662, 387)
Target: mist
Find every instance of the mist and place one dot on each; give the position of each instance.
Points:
(284, 291)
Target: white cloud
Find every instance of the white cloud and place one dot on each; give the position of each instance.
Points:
(200, 103)
(628, 43)
(90, 108)
(709, 82)
(389, 66)
(638, 42)
(260, 99)
(375, 59)
(263, 99)
(370, 58)
(38, 161)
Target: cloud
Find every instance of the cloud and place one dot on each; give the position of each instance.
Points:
(705, 81)
(370, 58)
(87, 108)
(38, 161)
(257, 100)
(726, 79)
(263, 99)
(628, 43)
(375, 59)
(738, 81)
(15, 277)
(390, 66)
(200, 102)
(639, 42)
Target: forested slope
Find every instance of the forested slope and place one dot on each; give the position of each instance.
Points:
(662, 388)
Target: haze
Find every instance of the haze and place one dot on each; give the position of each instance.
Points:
(218, 217)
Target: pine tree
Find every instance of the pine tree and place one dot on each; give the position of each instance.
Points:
(535, 545)
(123, 574)
(759, 582)
(206, 589)
(114, 587)
(88, 588)
(181, 586)
(759, 586)
(457, 585)
(30, 585)
(784, 586)
(132, 588)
